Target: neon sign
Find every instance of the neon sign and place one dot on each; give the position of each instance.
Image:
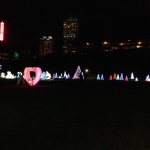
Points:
(1, 31)
(35, 80)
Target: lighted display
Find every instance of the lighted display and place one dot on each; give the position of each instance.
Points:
(77, 73)
(35, 80)
(147, 78)
(121, 76)
(56, 75)
(136, 79)
(126, 78)
(1, 31)
(43, 75)
(114, 77)
(10, 75)
(98, 77)
(110, 78)
(132, 75)
(117, 78)
(68, 75)
(102, 77)
(47, 75)
(3, 75)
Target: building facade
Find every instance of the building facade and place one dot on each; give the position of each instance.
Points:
(46, 45)
(70, 34)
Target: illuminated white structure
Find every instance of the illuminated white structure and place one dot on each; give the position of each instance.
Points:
(147, 78)
(47, 75)
(136, 79)
(3, 75)
(117, 78)
(1, 31)
(10, 75)
(65, 74)
(132, 76)
(77, 73)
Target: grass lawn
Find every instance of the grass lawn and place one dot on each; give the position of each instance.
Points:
(67, 115)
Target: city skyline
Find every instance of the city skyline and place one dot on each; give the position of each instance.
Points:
(27, 21)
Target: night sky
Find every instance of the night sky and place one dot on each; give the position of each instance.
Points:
(27, 21)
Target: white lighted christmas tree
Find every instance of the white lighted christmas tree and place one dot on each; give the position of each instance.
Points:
(77, 73)
(117, 78)
(132, 76)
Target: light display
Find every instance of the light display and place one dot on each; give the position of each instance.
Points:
(56, 75)
(102, 77)
(47, 75)
(43, 75)
(65, 74)
(77, 73)
(132, 76)
(136, 79)
(121, 76)
(3, 75)
(147, 78)
(10, 75)
(114, 77)
(38, 73)
(110, 78)
(0, 66)
(53, 75)
(126, 78)
(117, 78)
(61, 76)
(18, 74)
(1, 31)
(98, 77)
(68, 75)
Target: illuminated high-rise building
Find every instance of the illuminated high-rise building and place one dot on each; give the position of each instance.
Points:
(70, 34)
(1, 31)
(46, 45)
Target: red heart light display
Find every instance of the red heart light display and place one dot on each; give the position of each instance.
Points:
(38, 73)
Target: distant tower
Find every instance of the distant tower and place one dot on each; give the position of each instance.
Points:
(46, 45)
(1, 31)
(70, 34)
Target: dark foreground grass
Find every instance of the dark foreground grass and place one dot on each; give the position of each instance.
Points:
(67, 115)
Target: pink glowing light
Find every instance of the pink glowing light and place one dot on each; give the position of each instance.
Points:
(38, 73)
(110, 78)
(126, 78)
(1, 31)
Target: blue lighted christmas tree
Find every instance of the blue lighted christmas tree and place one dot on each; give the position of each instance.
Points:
(121, 76)
(102, 77)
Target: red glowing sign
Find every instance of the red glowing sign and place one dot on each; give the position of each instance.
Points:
(1, 31)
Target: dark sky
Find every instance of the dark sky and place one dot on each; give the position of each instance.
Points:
(27, 21)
